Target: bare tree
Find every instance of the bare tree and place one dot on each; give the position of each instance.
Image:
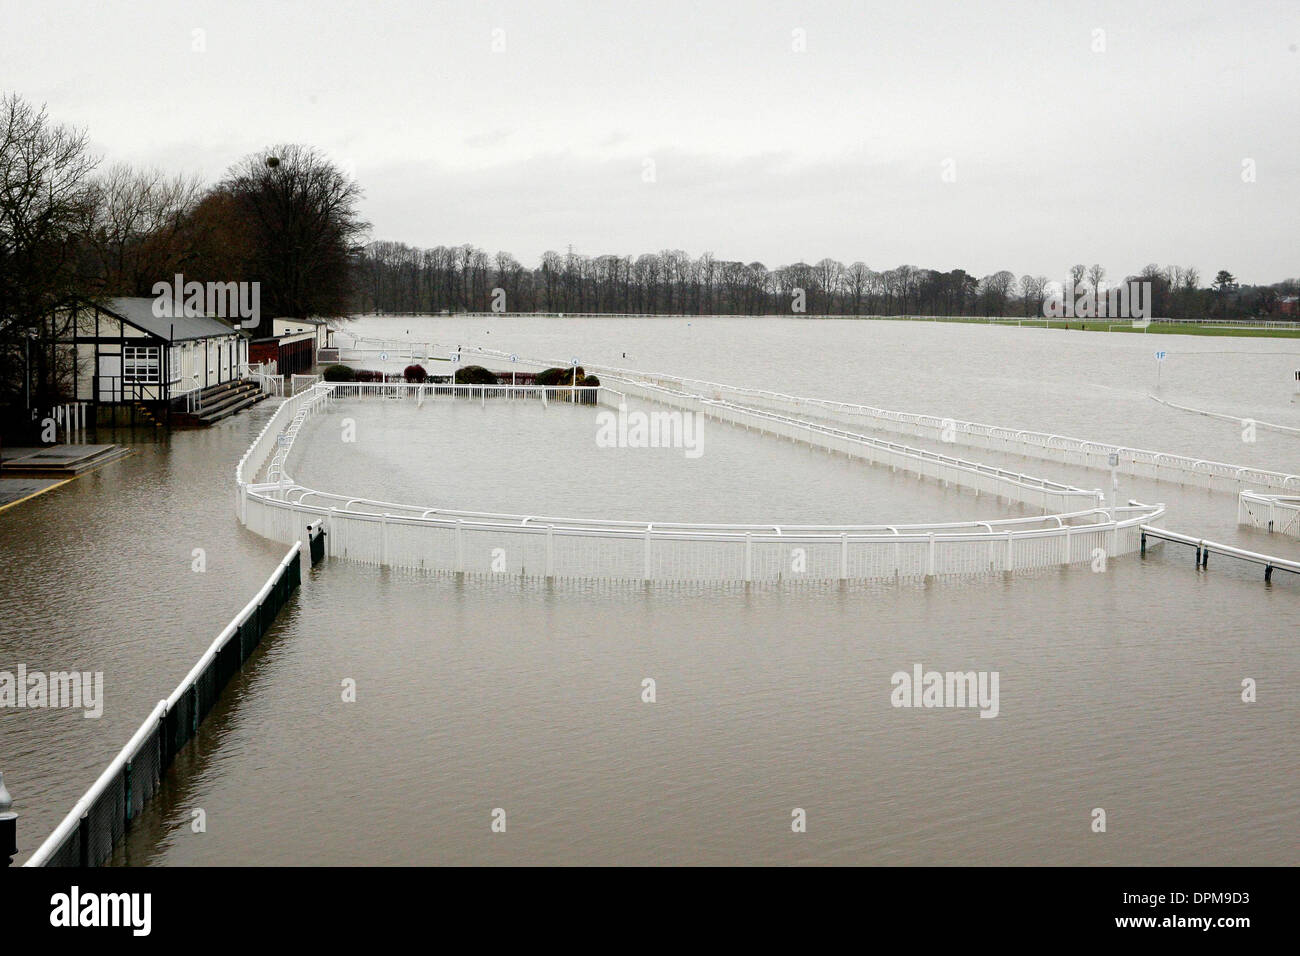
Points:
(1032, 289)
(995, 290)
(45, 196)
(142, 230)
(300, 213)
(1096, 275)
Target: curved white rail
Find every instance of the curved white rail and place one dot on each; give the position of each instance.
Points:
(1235, 419)
(550, 547)
(1140, 462)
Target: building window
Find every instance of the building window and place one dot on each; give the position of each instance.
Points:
(140, 364)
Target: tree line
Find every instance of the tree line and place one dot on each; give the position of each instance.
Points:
(393, 277)
(286, 217)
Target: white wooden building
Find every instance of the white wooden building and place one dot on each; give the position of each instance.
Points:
(124, 354)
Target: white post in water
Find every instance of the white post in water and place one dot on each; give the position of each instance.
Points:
(1114, 483)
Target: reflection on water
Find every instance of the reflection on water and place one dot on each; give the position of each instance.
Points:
(520, 458)
(483, 695)
(98, 575)
(1118, 690)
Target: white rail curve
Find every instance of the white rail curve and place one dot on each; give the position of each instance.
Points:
(1074, 530)
(1140, 462)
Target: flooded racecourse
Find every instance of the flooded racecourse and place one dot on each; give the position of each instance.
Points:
(1120, 690)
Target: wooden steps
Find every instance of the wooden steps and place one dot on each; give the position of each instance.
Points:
(219, 402)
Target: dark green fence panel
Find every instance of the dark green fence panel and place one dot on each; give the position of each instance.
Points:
(144, 773)
(228, 661)
(100, 828)
(105, 822)
(178, 726)
(249, 638)
(68, 852)
(206, 691)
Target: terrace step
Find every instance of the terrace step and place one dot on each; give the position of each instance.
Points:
(218, 402)
(57, 461)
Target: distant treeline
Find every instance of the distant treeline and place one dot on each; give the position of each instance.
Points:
(394, 277)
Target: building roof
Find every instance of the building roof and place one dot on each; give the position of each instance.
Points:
(181, 328)
(306, 321)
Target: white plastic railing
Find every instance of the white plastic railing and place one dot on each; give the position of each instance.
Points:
(435, 539)
(1277, 514)
(113, 772)
(299, 382)
(1038, 492)
(1140, 462)
(1235, 419)
(1204, 548)
(271, 384)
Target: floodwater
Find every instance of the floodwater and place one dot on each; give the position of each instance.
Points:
(1120, 690)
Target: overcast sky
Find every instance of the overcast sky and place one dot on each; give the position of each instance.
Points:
(760, 151)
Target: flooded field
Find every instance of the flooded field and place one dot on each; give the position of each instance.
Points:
(1119, 690)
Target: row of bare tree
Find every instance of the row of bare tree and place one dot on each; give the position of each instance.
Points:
(394, 277)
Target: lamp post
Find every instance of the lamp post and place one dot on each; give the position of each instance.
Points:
(8, 826)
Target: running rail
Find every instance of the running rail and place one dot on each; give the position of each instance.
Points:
(1134, 461)
(435, 539)
(1204, 548)
(118, 770)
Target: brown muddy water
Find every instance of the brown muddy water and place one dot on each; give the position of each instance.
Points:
(1119, 690)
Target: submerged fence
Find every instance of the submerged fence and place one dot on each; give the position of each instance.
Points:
(101, 818)
(532, 546)
(1275, 514)
(1139, 462)
(1143, 463)
(1050, 496)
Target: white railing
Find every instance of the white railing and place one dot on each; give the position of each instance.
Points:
(469, 542)
(69, 420)
(1143, 463)
(1205, 548)
(98, 820)
(1015, 486)
(271, 384)
(1276, 514)
(194, 396)
(994, 319)
(298, 382)
(1235, 419)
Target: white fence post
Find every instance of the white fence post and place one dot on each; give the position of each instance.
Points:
(646, 575)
